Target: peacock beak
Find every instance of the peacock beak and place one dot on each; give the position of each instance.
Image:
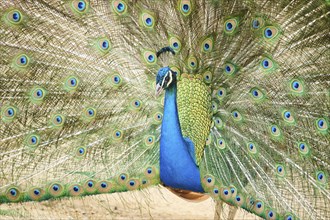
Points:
(159, 89)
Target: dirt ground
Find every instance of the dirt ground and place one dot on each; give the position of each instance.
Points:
(154, 203)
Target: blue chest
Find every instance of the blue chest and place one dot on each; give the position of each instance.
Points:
(177, 167)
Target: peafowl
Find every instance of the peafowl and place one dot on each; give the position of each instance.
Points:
(224, 98)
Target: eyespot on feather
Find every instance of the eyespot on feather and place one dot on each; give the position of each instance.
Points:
(90, 186)
(13, 194)
(36, 193)
(192, 63)
(56, 190)
(148, 20)
(32, 141)
(8, 113)
(14, 16)
(175, 43)
(37, 95)
(119, 7)
(75, 190)
(79, 6)
(257, 23)
(207, 77)
(185, 7)
(207, 45)
(149, 57)
(270, 33)
(71, 83)
(231, 26)
(104, 186)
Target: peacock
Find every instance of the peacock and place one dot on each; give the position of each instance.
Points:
(221, 98)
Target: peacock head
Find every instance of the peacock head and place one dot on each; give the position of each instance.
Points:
(165, 79)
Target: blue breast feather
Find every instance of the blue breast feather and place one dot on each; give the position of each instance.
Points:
(178, 168)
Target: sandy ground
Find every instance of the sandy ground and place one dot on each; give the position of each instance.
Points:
(154, 203)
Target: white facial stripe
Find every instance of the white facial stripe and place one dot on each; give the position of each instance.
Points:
(171, 78)
(164, 79)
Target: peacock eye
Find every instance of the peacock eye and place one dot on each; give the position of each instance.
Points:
(10, 112)
(149, 140)
(259, 205)
(322, 125)
(36, 192)
(265, 63)
(192, 62)
(104, 185)
(321, 177)
(22, 61)
(147, 20)
(105, 44)
(16, 16)
(295, 85)
(91, 112)
(255, 24)
(230, 69)
(58, 119)
(151, 58)
(55, 187)
(252, 148)
(13, 192)
(73, 82)
(120, 7)
(222, 143)
(207, 77)
(257, 94)
(225, 192)
(185, 8)
(229, 26)
(268, 33)
(90, 184)
(116, 79)
(81, 150)
(131, 182)
(175, 43)
(81, 5)
(270, 214)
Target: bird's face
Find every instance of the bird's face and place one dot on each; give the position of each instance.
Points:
(164, 79)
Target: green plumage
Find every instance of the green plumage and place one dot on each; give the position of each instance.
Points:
(194, 107)
(79, 115)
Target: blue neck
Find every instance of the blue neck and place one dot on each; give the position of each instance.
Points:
(177, 167)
